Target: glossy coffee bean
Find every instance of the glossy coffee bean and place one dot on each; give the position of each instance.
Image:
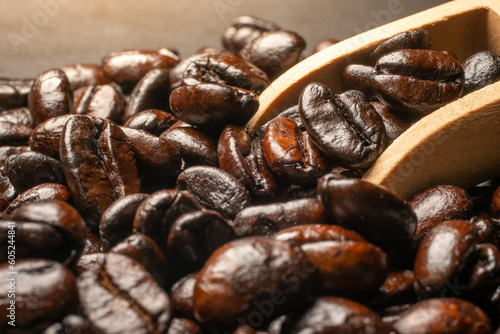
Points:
(445, 315)
(195, 146)
(345, 127)
(182, 295)
(81, 75)
(176, 73)
(14, 134)
(397, 289)
(336, 315)
(347, 200)
(215, 189)
(30, 169)
(243, 29)
(21, 116)
(308, 233)
(225, 68)
(102, 101)
(213, 106)
(495, 205)
(268, 219)
(47, 294)
(99, 165)
(357, 77)
(486, 229)
(151, 92)
(7, 190)
(41, 192)
(117, 221)
(120, 297)
(442, 255)
(243, 276)
(274, 52)
(50, 96)
(72, 323)
(324, 44)
(417, 82)
(129, 67)
(413, 39)
(481, 69)
(395, 125)
(14, 93)
(153, 121)
(46, 137)
(291, 154)
(485, 273)
(7, 151)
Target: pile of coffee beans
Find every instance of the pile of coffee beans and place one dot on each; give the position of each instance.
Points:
(134, 200)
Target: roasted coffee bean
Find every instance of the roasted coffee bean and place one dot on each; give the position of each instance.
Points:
(324, 44)
(215, 189)
(481, 69)
(21, 116)
(14, 93)
(118, 220)
(46, 137)
(348, 173)
(299, 235)
(485, 229)
(88, 261)
(398, 289)
(102, 101)
(391, 222)
(485, 273)
(99, 165)
(495, 205)
(243, 157)
(268, 219)
(245, 274)
(147, 253)
(195, 146)
(45, 292)
(274, 52)
(184, 326)
(72, 324)
(176, 73)
(50, 96)
(121, 297)
(336, 315)
(442, 255)
(291, 154)
(194, 236)
(153, 121)
(414, 39)
(81, 75)
(345, 127)
(417, 82)
(182, 295)
(244, 29)
(156, 213)
(150, 93)
(213, 106)
(30, 169)
(129, 67)
(44, 191)
(7, 190)
(14, 134)
(443, 315)
(438, 204)
(158, 162)
(7, 151)
(395, 125)
(357, 77)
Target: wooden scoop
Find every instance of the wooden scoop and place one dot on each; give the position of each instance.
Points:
(459, 143)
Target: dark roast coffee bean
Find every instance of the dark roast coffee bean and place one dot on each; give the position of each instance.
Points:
(444, 315)
(45, 292)
(81, 75)
(391, 222)
(243, 275)
(7, 151)
(14, 93)
(196, 147)
(44, 191)
(14, 134)
(129, 67)
(395, 125)
(495, 205)
(213, 106)
(89, 260)
(184, 326)
(99, 165)
(308, 233)
(398, 289)
(268, 219)
(121, 297)
(485, 229)
(336, 315)
(215, 189)
(225, 68)
(182, 295)
(414, 39)
(481, 69)
(118, 219)
(7, 190)
(345, 127)
(153, 121)
(243, 29)
(72, 324)
(274, 52)
(150, 93)
(438, 204)
(324, 44)
(486, 269)
(46, 137)
(442, 255)
(21, 116)
(102, 101)
(50, 96)
(357, 77)
(176, 73)
(291, 154)
(417, 82)
(30, 169)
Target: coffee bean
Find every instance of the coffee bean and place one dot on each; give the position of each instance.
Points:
(303, 234)
(46, 137)
(324, 44)
(395, 125)
(7, 151)
(14, 134)
(244, 29)
(21, 116)
(14, 93)
(102, 101)
(357, 77)
(44, 191)
(81, 75)
(184, 326)
(153, 121)
(481, 69)
(72, 324)
(182, 295)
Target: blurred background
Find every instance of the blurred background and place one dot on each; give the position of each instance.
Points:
(39, 34)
